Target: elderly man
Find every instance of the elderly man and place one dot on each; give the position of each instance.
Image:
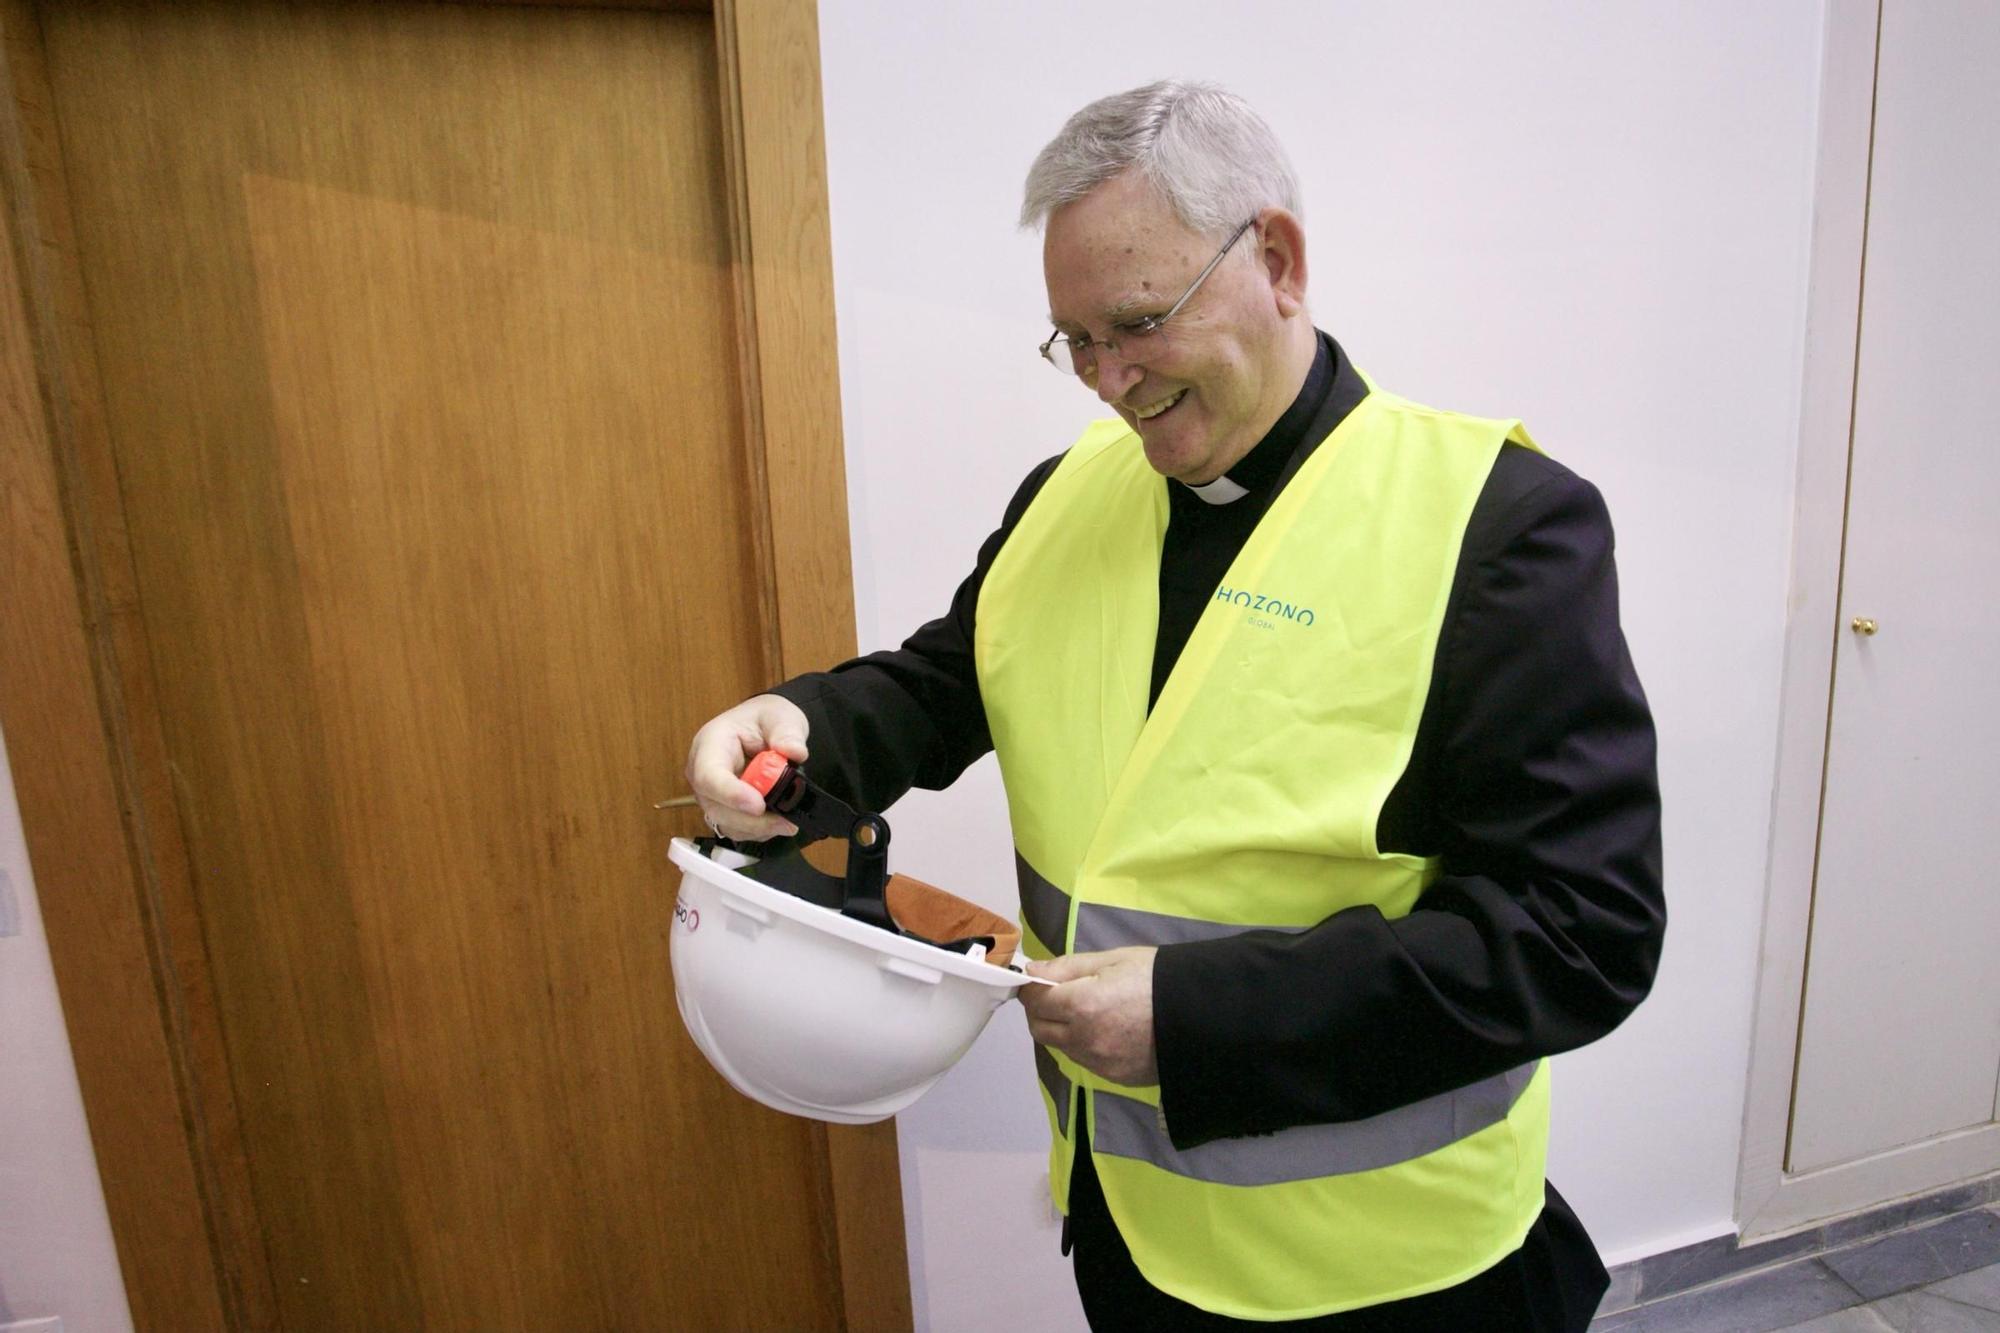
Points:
(1332, 785)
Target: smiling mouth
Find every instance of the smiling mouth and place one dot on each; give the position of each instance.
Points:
(1148, 413)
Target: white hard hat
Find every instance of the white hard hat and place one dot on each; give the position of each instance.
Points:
(818, 1014)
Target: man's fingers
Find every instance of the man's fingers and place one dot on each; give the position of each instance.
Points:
(775, 724)
(788, 739)
(744, 797)
(718, 789)
(734, 826)
(1105, 1025)
(1045, 1004)
(1049, 1015)
(720, 750)
(1068, 967)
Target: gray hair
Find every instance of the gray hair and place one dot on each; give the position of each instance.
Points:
(1210, 156)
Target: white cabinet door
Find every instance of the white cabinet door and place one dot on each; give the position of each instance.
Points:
(1900, 1037)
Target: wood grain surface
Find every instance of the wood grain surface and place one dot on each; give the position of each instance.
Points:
(64, 759)
(418, 371)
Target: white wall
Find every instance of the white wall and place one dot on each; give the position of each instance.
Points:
(56, 1255)
(1592, 217)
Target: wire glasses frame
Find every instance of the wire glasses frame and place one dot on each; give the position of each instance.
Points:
(1078, 356)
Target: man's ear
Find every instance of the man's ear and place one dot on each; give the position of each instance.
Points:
(1281, 250)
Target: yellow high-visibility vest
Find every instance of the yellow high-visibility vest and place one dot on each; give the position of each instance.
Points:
(1249, 799)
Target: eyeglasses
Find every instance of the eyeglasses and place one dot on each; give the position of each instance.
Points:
(1135, 339)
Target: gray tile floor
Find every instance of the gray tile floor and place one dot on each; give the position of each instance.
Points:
(1940, 1278)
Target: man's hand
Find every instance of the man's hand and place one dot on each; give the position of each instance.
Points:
(721, 749)
(1100, 1014)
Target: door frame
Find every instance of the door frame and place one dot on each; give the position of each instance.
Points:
(1769, 1200)
(96, 790)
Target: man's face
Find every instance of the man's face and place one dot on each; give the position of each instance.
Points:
(1218, 383)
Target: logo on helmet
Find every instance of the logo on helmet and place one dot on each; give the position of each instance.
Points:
(687, 916)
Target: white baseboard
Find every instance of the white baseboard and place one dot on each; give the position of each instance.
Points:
(1659, 1245)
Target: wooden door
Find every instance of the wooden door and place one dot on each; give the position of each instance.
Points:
(1899, 1050)
(418, 341)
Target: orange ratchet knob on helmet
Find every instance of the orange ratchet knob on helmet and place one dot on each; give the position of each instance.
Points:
(788, 792)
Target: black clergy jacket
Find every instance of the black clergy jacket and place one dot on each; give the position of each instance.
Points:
(1533, 779)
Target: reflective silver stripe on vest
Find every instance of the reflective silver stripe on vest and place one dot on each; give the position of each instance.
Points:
(1046, 910)
(1127, 1128)
(1101, 927)
(1044, 907)
(1057, 1083)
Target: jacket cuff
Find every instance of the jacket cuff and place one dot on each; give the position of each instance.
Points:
(1201, 1092)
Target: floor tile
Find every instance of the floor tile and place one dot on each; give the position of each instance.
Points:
(1980, 1288)
(1900, 1217)
(1860, 1319)
(1623, 1292)
(1664, 1274)
(1921, 1256)
(1921, 1312)
(1759, 1303)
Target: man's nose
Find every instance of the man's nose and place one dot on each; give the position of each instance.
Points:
(1114, 377)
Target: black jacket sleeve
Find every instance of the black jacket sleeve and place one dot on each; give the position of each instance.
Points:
(911, 716)
(1535, 779)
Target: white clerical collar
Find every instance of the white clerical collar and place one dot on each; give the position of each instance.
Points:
(1221, 491)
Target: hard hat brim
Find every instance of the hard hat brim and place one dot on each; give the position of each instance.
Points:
(814, 1013)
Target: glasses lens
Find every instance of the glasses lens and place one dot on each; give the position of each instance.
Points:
(1061, 353)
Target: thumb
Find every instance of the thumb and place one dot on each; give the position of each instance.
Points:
(789, 740)
(1065, 967)
(784, 727)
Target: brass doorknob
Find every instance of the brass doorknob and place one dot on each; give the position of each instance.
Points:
(1863, 626)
